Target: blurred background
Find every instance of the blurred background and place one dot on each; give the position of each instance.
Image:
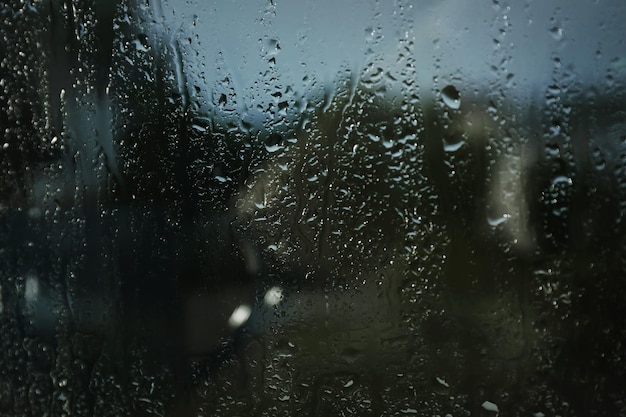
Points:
(322, 208)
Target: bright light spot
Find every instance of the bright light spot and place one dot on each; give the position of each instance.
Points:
(239, 316)
(273, 296)
(32, 290)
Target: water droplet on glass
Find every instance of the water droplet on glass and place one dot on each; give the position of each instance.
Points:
(449, 146)
(443, 382)
(272, 148)
(495, 221)
(557, 33)
(489, 406)
(451, 96)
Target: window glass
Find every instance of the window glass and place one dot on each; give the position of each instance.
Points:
(330, 208)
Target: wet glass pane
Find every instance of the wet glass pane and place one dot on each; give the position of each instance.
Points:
(330, 208)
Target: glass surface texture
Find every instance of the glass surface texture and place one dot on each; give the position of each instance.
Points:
(320, 208)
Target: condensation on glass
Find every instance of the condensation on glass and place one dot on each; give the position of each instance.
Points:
(321, 208)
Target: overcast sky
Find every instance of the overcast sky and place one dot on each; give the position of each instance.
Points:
(458, 41)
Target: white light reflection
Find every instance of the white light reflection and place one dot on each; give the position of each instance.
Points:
(273, 296)
(31, 291)
(239, 316)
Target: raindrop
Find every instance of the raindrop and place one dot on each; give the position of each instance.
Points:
(274, 142)
(598, 159)
(556, 32)
(272, 148)
(489, 406)
(451, 96)
(495, 221)
(452, 146)
(443, 382)
(373, 138)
